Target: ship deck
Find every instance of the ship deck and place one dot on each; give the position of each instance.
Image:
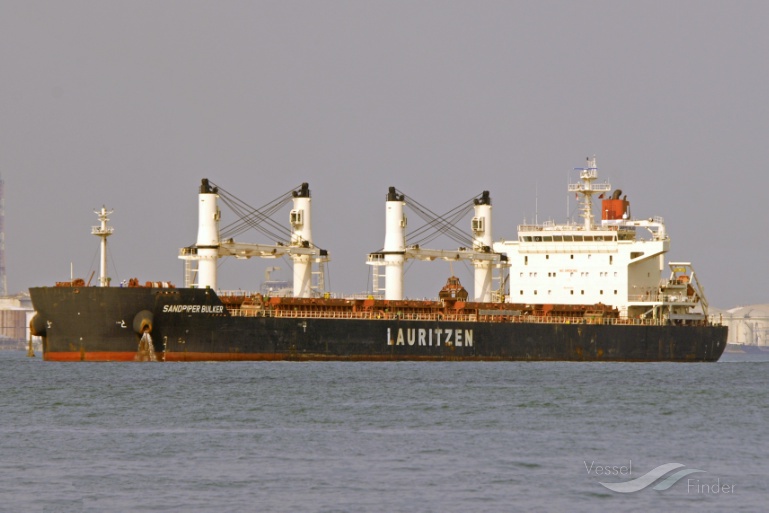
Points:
(446, 310)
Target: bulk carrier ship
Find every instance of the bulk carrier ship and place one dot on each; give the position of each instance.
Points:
(594, 291)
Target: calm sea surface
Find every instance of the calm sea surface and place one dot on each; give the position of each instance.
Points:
(389, 437)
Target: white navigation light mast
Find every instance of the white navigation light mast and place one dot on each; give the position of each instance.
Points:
(587, 188)
(103, 231)
(301, 237)
(482, 242)
(208, 235)
(395, 245)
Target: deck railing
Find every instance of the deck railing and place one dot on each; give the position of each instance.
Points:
(501, 318)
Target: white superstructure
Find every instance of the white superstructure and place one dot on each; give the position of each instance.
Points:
(619, 262)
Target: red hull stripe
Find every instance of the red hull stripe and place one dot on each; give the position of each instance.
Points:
(115, 356)
(109, 356)
(90, 356)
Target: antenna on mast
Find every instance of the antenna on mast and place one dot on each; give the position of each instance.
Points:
(587, 188)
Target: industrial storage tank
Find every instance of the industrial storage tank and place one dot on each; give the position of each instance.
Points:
(748, 325)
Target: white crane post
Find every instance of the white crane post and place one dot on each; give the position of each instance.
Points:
(208, 235)
(482, 242)
(394, 245)
(301, 236)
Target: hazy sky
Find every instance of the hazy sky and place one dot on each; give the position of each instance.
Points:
(130, 104)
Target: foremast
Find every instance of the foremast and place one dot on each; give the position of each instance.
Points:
(103, 231)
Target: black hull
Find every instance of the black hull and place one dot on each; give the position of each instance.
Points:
(97, 324)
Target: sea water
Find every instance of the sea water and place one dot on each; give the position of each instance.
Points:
(382, 437)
